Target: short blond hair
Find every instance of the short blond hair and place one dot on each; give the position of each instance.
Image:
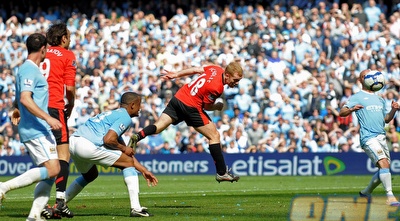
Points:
(234, 67)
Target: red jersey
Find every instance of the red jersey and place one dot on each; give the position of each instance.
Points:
(59, 68)
(204, 89)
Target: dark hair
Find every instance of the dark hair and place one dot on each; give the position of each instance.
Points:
(55, 33)
(35, 42)
(129, 97)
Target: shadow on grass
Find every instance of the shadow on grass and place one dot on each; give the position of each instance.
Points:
(100, 214)
(17, 216)
(176, 207)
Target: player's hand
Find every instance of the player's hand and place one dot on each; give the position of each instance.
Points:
(150, 178)
(54, 123)
(395, 105)
(357, 107)
(68, 110)
(129, 151)
(15, 117)
(168, 75)
(219, 104)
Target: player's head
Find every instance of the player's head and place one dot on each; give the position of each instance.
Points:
(58, 35)
(131, 101)
(233, 74)
(361, 77)
(37, 43)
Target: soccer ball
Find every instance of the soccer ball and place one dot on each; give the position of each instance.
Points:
(374, 80)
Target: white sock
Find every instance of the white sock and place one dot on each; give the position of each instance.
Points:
(75, 188)
(375, 181)
(29, 177)
(132, 182)
(41, 197)
(60, 195)
(386, 177)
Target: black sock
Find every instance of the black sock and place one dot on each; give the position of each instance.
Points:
(62, 178)
(216, 153)
(91, 175)
(149, 130)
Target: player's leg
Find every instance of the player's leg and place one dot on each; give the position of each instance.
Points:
(31, 176)
(376, 149)
(163, 122)
(384, 172)
(82, 151)
(79, 183)
(210, 132)
(42, 190)
(62, 138)
(370, 148)
(62, 178)
(386, 178)
(168, 117)
(373, 183)
(41, 198)
(131, 180)
(84, 154)
(49, 167)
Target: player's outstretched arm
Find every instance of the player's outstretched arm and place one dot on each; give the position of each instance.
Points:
(217, 105)
(389, 116)
(186, 72)
(346, 111)
(150, 178)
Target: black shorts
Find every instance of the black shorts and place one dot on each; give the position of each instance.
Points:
(195, 117)
(62, 136)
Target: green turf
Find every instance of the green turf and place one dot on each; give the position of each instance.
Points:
(195, 197)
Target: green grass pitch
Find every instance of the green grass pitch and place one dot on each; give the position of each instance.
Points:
(195, 197)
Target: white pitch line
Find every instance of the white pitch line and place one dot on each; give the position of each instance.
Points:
(257, 190)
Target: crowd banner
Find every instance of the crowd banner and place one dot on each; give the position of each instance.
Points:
(257, 164)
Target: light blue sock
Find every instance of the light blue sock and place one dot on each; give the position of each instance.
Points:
(132, 183)
(386, 177)
(75, 188)
(29, 177)
(41, 197)
(375, 181)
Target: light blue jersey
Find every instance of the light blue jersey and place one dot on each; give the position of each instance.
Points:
(372, 117)
(97, 127)
(30, 78)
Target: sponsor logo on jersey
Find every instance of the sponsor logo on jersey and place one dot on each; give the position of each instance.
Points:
(52, 150)
(122, 127)
(28, 82)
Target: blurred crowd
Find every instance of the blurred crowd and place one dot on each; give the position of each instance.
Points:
(301, 62)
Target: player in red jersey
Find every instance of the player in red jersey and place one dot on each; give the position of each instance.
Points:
(189, 103)
(59, 68)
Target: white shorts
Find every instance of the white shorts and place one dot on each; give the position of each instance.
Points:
(376, 148)
(42, 149)
(85, 154)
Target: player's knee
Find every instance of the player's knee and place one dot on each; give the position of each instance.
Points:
(91, 175)
(63, 152)
(214, 137)
(53, 168)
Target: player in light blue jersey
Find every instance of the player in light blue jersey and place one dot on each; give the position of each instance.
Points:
(99, 142)
(34, 127)
(372, 117)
